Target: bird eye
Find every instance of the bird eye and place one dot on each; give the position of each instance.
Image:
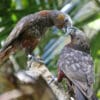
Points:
(66, 20)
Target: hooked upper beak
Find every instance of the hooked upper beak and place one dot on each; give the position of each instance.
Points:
(67, 23)
(70, 30)
(64, 29)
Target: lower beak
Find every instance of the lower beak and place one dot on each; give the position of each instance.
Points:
(64, 29)
(67, 30)
(70, 30)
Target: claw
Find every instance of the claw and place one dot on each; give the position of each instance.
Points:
(54, 79)
(33, 58)
(38, 60)
(30, 57)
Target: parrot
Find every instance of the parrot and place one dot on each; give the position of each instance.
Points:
(75, 64)
(29, 30)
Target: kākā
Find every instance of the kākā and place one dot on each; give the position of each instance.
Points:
(29, 30)
(76, 65)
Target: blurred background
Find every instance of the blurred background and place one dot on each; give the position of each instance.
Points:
(85, 15)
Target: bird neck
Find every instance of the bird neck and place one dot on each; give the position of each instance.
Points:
(79, 47)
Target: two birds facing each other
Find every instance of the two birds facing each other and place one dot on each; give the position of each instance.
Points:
(75, 62)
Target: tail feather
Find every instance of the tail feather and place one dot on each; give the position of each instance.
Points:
(79, 95)
(4, 54)
(94, 97)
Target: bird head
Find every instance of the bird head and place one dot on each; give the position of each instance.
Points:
(60, 19)
(78, 37)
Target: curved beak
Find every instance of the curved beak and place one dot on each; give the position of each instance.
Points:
(64, 29)
(70, 30)
(68, 24)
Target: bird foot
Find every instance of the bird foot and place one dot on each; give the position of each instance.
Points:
(32, 59)
(53, 79)
(35, 59)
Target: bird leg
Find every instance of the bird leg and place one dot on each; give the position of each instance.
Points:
(53, 79)
(61, 75)
(33, 58)
(59, 78)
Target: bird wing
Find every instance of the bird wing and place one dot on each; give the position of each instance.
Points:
(77, 65)
(19, 29)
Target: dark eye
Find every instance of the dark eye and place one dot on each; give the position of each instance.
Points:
(66, 20)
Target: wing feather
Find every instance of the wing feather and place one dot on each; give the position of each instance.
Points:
(77, 65)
